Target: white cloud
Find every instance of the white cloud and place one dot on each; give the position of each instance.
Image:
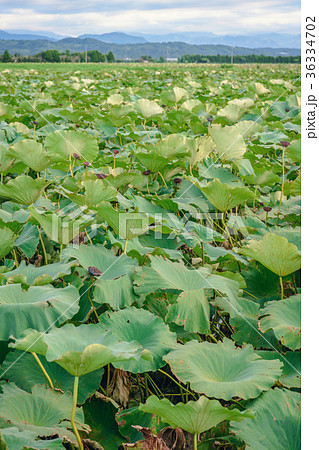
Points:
(242, 18)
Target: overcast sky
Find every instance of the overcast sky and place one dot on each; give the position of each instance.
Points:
(74, 17)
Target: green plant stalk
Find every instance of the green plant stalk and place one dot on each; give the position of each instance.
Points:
(148, 189)
(226, 229)
(195, 441)
(282, 185)
(125, 246)
(281, 288)
(88, 237)
(163, 179)
(71, 171)
(45, 373)
(43, 247)
(89, 297)
(203, 253)
(140, 388)
(176, 382)
(75, 397)
(146, 385)
(108, 379)
(15, 257)
(154, 385)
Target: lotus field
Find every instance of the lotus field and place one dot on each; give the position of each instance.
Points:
(150, 257)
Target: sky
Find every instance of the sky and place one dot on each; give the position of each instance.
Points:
(75, 17)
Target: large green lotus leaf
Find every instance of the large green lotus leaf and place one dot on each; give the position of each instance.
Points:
(38, 308)
(149, 331)
(295, 188)
(291, 371)
(28, 240)
(235, 109)
(272, 137)
(127, 418)
(194, 417)
(23, 370)
(223, 197)
(7, 240)
(152, 161)
(84, 349)
(103, 259)
(125, 224)
(192, 308)
(96, 191)
(66, 143)
(244, 321)
(200, 148)
(275, 253)
(59, 229)
(190, 311)
(277, 423)
(165, 274)
(229, 142)
(31, 153)
(147, 108)
(262, 177)
(172, 147)
(223, 371)
(293, 152)
(19, 440)
(117, 293)
(284, 317)
(99, 413)
(248, 127)
(292, 234)
(261, 282)
(38, 276)
(5, 162)
(23, 189)
(174, 95)
(30, 341)
(11, 212)
(44, 411)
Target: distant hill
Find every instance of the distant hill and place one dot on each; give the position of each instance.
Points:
(115, 38)
(274, 40)
(21, 36)
(134, 51)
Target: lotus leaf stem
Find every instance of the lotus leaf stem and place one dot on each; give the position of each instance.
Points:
(195, 441)
(75, 397)
(15, 257)
(43, 246)
(108, 379)
(89, 297)
(163, 179)
(282, 185)
(125, 245)
(281, 288)
(45, 373)
(176, 382)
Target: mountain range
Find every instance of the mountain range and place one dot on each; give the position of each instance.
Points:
(135, 51)
(272, 40)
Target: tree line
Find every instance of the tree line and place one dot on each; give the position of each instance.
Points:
(241, 59)
(94, 56)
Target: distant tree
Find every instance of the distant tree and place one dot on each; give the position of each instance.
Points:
(95, 56)
(6, 57)
(146, 58)
(50, 56)
(67, 52)
(110, 57)
(162, 59)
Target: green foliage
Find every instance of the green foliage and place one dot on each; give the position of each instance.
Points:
(149, 254)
